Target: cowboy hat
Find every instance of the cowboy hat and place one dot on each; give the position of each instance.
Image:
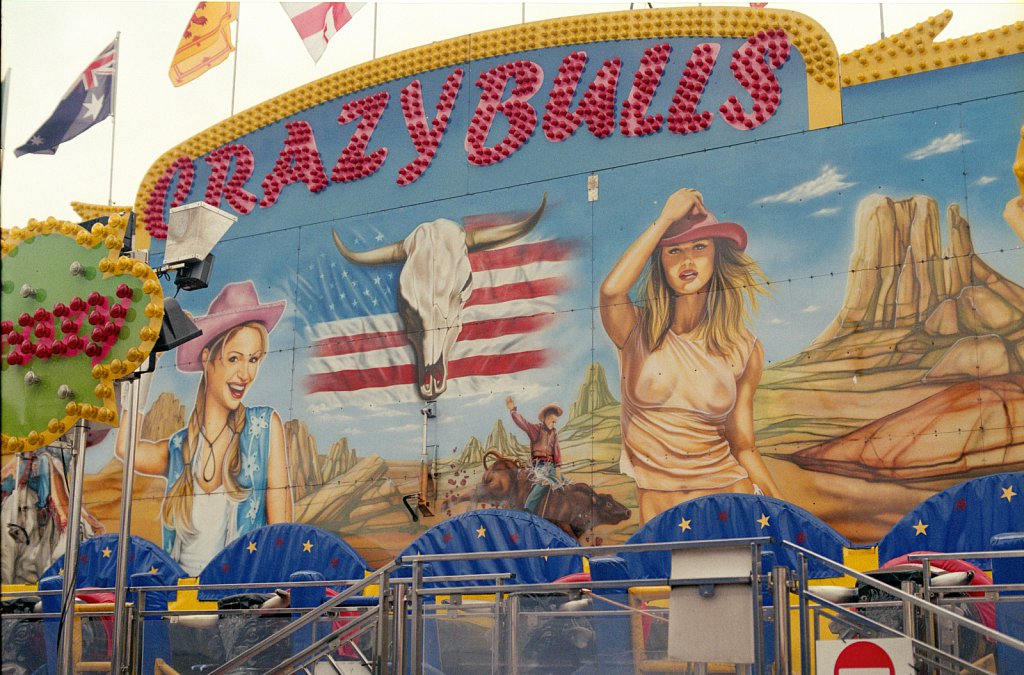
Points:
(549, 408)
(237, 303)
(706, 227)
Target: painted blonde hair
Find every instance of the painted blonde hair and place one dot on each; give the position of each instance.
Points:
(732, 292)
(177, 508)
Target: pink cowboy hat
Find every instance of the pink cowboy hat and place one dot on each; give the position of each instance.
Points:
(236, 304)
(704, 227)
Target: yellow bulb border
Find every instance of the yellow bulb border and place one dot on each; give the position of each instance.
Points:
(915, 51)
(805, 34)
(910, 51)
(110, 236)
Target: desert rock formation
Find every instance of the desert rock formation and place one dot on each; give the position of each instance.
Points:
(303, 460)
(924, 353)
(165, 416)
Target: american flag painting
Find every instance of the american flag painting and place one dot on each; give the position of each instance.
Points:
(361, 349)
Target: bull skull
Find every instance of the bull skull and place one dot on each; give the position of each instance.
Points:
(435, 282)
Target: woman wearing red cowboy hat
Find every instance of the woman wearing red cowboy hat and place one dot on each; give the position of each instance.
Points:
(226, 470)
(689, 363)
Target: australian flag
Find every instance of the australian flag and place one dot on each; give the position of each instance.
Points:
(86, 103)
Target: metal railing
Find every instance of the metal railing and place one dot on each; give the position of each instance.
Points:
(388, 636)
(927, 603)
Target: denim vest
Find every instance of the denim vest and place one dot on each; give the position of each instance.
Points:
(254, 448)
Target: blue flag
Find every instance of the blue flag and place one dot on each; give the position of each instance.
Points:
(86, 103)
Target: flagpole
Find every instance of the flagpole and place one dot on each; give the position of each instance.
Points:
(113, 114)
(3, 115)
(234, 70)
(374, 31)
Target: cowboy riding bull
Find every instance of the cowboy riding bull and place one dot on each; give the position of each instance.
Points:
(574, 507)
(434, 285)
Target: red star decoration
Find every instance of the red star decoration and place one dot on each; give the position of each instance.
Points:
(335, 562)
(84, 559)
(226, 567)
(514, 538)
(961, 504)
(801, 537)
(447, 537)
(131, 557)
(279, 542)
(723, 516)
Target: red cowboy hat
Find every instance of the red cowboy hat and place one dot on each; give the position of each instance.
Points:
(706, 227)
(236, 304)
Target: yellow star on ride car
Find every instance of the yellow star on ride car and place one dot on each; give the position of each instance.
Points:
(106, 552)
(1008, 494)
(920, 528)
(684, 524)
(251, 548)
(763, 521)
(481, 532)
(307, 547)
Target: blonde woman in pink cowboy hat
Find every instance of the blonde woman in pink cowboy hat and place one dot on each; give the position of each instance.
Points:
(226, 470)
(688, 361)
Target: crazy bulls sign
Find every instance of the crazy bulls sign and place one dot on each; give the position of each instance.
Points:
(513, 98)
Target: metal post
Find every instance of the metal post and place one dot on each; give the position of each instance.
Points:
(926, 594)
(400, 618)
(124, 537)
(805, 643)
(908, 610)
(499, 626)
(755, 597)
(780, 599)
(74, 533)
(381, 638)
(138, 630)
(513, 633)
(416, 619)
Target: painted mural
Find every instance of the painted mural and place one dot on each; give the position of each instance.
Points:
(599, 278)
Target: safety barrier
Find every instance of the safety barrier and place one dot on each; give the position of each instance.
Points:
(404, 619)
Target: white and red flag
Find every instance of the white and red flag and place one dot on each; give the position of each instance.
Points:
(317, 22)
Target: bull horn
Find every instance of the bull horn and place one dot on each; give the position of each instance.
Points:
(490, 237)
(385, 255)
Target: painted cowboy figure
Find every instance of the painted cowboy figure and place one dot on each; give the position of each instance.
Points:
(545, 454)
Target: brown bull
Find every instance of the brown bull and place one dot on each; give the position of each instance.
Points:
(573, 507)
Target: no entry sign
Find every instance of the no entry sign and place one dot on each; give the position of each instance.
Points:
(889, 656)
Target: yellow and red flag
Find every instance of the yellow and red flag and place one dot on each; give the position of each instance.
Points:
(206, 42)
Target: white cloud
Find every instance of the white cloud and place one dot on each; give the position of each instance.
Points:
(810, 309)
(829, 180)
(776, 321)
(939, 146)
(985, 180)
(827, 211)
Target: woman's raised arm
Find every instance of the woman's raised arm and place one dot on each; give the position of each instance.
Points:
(279, 491)
(150, 456)
(618, 313)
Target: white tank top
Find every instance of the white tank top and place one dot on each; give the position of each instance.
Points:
(215, 520)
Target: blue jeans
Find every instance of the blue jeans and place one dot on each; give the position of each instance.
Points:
(544, 478)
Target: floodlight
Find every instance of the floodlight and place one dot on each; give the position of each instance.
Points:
(177, 328)
(193, 230)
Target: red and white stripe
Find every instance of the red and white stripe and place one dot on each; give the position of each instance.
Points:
(317, 22)
(504, 331)
(103, 65)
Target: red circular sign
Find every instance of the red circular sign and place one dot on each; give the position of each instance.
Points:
(863, 655)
